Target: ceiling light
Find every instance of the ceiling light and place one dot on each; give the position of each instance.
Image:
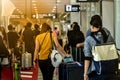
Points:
(34, 4)
(34, 1)
(35, 7)
(55, 7)
(53, 11)
(58, 1)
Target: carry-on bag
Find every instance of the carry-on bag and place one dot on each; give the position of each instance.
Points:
(16, 71)
(26, 62)
(77, 53)
(71, 71)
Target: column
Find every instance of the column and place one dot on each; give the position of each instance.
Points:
(75, 16)
(117, 23)
(108, 15)
(0, 11)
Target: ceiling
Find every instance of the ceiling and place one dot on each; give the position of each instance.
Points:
(30, 7)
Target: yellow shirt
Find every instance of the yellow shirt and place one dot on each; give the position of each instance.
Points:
(46, 46)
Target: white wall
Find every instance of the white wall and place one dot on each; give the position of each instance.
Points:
(117, 23)
(75, 16)
(108, 16)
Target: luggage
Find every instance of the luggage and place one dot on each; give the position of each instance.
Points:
(105, 54)
(67, 48)
(16, 72)
(71, 71)
(26, 62)
(17, 53)
(78, 54)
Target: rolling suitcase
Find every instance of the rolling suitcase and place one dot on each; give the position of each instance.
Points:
(26, 62)
(71, 71)
(78, 54)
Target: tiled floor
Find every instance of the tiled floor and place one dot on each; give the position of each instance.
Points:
(40, 76)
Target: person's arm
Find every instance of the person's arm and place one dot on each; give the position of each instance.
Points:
(88, 56)
(36, 50)
(80, 44)
(59, 47)
(86, 66)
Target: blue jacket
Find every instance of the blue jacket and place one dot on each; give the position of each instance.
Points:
(90, 42)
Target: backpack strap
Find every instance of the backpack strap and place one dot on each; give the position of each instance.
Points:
(105, 36)
(96, 39)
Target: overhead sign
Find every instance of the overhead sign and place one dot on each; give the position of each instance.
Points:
(87, 0)
(17, 16)
(72, 8)
(42, 15)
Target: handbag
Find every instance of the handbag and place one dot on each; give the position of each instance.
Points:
(105, 58)
(56, 57)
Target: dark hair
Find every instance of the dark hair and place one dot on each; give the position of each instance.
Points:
(75, 23)
(76, 26)
(29, 24)
(96, 21)
(45, 27)
(55, 28)
(36, 26)
(10, 27)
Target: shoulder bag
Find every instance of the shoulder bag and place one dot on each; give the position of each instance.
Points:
(56, 57)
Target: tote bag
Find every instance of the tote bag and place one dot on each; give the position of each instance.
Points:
(56, 57)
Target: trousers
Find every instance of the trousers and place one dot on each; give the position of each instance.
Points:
(47, 69)
(94, 76)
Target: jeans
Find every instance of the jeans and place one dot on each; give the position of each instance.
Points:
(47, 69)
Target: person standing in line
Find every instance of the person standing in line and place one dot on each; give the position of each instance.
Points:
(12, 37)
(101, 34)
(44, 45)
(28, 38)
(76, 42)
(4, 35)
(3, 49)
(88, 32)
(36, 30)
(56, 31)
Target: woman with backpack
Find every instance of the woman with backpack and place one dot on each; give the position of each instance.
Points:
(98, 33)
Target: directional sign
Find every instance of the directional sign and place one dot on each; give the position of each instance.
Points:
(72, 8)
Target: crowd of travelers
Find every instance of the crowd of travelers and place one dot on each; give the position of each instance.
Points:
(38, 43)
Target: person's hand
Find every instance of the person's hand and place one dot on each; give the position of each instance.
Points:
(34, 63)
(78, 45)
(67, 55)
(86, 77)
